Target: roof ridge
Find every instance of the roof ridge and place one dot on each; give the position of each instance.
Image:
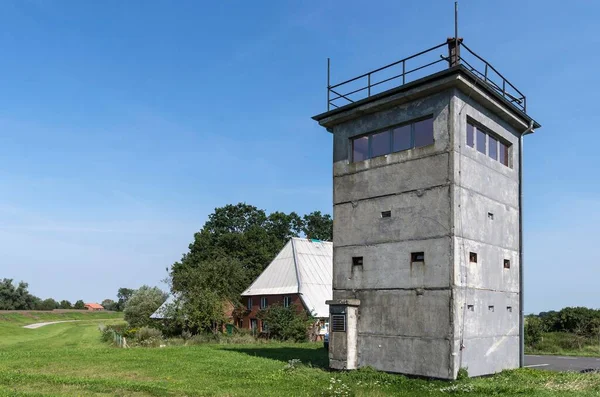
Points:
(295, 255)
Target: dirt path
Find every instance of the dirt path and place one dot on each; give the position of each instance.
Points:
(38, 325)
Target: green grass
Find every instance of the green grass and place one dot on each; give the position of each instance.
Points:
(69, 359)
(566, 344)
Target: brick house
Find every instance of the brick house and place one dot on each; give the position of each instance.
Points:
(94, 307)
(301, 275)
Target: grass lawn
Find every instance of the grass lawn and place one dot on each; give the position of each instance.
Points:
(69, 359)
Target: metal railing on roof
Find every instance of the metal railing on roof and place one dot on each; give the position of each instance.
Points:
(417, 66)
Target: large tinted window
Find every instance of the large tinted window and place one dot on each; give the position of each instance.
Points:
(503, 154)
(423, 133)
(405, 137)
(492, 147)
(360, 149)
(488, 143)
(481, 141)
(380, 144)
(470, 135)
(402, 138)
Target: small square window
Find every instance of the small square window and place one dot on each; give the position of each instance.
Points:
(417, 257)
(490, 216)
(357, 261)
(491, 308)
(473, 257)
(386, 214)
(471, 308)
(509, 309)
(507, 263)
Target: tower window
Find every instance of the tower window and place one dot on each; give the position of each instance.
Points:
(507, 263)
(409, 136)
(473, 257)
(488, 143)
(386, 214)
(357, 261)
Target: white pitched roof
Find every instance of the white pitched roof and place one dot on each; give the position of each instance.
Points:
(161, 312)
(303, 266)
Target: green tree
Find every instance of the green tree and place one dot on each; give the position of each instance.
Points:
(16, 298)
(142, 304)
(533, 330)
(286, 323)
(318, 226)
(65, 304)
(109, 304)
(48, 304)
(79, 305)
(123, 296)
(210, 286)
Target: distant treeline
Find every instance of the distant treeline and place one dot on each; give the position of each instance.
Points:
(577, 320)
(17, 297)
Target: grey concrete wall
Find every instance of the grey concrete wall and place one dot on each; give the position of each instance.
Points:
(404, 322)
(489, 332)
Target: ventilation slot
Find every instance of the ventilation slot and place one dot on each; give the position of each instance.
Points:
(338, 322)
(386, 214)
(417, 257)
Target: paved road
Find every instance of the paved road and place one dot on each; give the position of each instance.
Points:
(37, 325)
(561, 363)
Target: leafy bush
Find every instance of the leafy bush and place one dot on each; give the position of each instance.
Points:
(142, 304)
(286, 323)
(533, 330)
(146, 333)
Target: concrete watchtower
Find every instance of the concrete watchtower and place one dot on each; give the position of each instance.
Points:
(427, 216)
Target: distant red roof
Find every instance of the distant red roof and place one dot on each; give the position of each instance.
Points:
(94, 306)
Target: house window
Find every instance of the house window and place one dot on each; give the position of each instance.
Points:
(507, 263)
(263, 302)
(473, 257)
(488, 143)
(412, 135)
(265, 327)
(253, 324)
(417, 257)
(287, 301)
(241, 323)
(249, 303)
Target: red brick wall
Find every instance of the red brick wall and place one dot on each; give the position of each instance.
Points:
(271, 299)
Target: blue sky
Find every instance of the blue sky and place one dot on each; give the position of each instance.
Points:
(124, 124)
